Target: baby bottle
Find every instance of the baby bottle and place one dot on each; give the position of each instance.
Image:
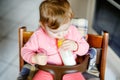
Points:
(66, 55)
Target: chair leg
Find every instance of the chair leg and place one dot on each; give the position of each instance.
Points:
(57, 76)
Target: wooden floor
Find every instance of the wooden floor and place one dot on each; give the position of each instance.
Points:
(16, 13)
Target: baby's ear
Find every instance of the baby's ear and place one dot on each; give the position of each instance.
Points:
(41, 24)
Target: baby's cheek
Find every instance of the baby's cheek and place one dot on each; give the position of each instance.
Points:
(52, 35)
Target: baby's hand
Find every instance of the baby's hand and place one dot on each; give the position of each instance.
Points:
(40, 59)
(69, 45)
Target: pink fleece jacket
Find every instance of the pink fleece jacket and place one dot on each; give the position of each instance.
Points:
(41, 42)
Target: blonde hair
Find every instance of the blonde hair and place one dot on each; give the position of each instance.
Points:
(53, 13)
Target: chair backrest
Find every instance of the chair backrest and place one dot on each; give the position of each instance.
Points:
(100, 42)
(23, 36)
(97, 41)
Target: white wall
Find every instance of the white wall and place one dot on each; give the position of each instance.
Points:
(84, 9)
(79, 8)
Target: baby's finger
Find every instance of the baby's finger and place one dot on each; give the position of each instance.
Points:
(66, 47)
(66, 41)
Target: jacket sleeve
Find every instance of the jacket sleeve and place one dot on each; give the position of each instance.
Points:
(30, 48)
(83, 46)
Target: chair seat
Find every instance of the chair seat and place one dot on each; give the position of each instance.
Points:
(92, 74)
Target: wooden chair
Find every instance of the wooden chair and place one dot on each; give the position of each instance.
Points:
(96, 41)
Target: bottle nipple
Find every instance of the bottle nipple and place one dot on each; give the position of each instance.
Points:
(59, 42)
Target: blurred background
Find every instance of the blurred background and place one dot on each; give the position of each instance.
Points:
(101, 15)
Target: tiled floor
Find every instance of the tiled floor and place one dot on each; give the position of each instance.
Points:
(16, 13)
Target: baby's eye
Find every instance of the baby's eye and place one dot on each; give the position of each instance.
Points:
(54, 32)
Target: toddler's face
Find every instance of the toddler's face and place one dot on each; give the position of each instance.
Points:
(60, 32)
